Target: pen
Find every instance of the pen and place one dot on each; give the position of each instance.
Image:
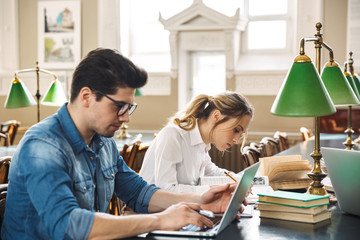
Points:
(227, 174)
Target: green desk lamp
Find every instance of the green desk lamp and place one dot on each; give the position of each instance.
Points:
(19, 96)
(303, 94)
(341, 92)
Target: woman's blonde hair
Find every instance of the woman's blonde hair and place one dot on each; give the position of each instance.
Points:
(230, 105)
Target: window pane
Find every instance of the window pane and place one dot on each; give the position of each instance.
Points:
(227, 7)
(208, 73)
(266, 7)
(267, 34)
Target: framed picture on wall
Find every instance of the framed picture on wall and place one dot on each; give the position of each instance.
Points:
(59, 34)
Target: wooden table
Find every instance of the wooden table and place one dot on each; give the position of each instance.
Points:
(341, 225)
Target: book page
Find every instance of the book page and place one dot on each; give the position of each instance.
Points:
(267, 163)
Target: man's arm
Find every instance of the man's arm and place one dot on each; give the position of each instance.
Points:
(215, 199)
(179, 210)
(106, 226)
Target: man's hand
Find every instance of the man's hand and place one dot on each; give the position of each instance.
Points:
(182, 214)
(218, 197)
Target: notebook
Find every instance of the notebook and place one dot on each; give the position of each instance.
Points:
(344, 171)
(229, 214)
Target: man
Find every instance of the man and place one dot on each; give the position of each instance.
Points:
(67, 167)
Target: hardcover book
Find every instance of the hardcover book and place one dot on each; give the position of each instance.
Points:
(293, 199)
(288, 209)
(297, 217)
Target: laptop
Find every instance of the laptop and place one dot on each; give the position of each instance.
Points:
(344, 171)
(229, 214)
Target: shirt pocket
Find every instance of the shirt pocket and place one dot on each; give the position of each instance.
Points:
(109, 181)
(84, 193)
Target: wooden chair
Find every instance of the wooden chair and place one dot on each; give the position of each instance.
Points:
(305, 133)
(282, 139)
(270, 145)
(10, 127)
(4, 139)
(4, 169)
(250, 155)
(4, 179)
(116, 206)
(131, 154)
(259, 147)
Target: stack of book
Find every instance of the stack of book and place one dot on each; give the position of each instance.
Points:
(286, 172)
(292, 206)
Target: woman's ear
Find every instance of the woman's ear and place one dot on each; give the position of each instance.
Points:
(216, 116)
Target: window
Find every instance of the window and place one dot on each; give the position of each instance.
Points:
(143, 38)
(269, 27)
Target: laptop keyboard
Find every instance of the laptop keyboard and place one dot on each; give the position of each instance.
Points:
(193, 228)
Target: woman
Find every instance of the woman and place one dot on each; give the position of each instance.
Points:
(178, 156)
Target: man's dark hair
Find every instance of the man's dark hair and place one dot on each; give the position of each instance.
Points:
(106, 70)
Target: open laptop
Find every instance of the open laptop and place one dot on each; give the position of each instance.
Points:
(229, 214)
(344, 171)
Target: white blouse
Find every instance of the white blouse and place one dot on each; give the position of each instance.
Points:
(176, 160)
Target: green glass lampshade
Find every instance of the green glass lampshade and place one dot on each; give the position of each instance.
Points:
(19, 96)
(338, 87)
(55, 95)
(357, 82)
(302, 94)
(139, 92)
(352, 84)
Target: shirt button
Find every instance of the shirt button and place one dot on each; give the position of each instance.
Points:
(84, 188)
(92, 158)
(101, 143)
(112, 174)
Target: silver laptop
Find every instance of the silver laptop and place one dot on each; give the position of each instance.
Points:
(229, 214)
(344, 171)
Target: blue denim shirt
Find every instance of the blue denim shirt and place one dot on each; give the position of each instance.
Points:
(53, 179)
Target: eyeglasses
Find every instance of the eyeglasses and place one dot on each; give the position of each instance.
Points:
(123, 106)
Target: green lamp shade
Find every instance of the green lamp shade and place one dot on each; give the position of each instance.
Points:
(338, 87)
(352, 84)
(357, 83)
(302, 94)
(139, 92)
(55, 95)
(19, 96)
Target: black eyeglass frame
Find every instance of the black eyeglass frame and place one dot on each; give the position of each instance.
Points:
(130, 107)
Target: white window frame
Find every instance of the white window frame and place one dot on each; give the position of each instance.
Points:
(289, 17)
(9, 43)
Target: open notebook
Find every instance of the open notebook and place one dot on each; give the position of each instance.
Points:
(229, 215)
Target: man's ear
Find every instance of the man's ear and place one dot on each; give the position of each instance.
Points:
(85, 96)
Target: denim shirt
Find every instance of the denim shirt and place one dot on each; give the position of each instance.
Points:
(57, 182)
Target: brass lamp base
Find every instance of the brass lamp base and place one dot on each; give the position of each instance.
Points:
(349, 143)
(317, 175)
(123, 134)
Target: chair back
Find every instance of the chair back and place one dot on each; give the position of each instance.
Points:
(4, 139)
(4, 179)
(270, 145)
(250, 155)
(305, 133)
(282, 139)
(4, 169)
(11, 128)
(131, 153)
